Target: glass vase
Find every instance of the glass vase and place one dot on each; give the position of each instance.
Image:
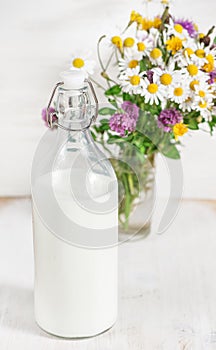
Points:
(136, 189)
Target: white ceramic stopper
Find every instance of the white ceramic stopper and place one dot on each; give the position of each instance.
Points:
(73, 79)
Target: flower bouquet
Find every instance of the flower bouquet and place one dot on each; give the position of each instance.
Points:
(162, 84)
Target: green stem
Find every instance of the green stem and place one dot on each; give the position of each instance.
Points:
(95, 82)
(109, 60)
(98, 52)
(127, 201)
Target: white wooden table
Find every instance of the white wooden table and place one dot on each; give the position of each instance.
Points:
(167, 286)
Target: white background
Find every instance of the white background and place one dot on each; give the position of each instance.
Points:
(37, 39)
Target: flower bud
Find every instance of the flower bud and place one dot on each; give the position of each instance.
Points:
(206, 40)
(199, 119)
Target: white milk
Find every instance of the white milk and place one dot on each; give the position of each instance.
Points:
(75, 287)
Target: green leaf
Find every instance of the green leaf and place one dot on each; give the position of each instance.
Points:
(113, 102)
(114, 90)
(143, 65)
(93, 135)
(115, 139)
(192, 124)
(128, 97)
(170, 151)
(106, 111)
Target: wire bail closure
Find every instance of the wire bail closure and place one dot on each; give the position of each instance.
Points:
(51, 116)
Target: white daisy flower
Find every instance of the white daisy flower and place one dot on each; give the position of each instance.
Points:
(129, 62)
(187, 105)
(176, 30)
(167, 76)
(204, 107)
(82, 62)
(155, 56)
(192, 71)
(196, 82)
(188, 55)
(153, 92)
(199, 55)
(132, 81)
(144, 43)
(129, 46)
(179, 92)
(203, 91)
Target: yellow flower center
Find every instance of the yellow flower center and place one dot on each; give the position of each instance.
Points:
(133, 64)
(189, 51)
(178, 28)
(152, 88)
(135, 80)
(174, 44)
(178, 91)
(209, 67)
(203, 104)
(200, 53)
(202, 93)
(78, 62)
(129, 42)
(117, 41)
(192, 69)
(155, 53)
(166, 79)
(179, 130)
(141, 46)
(193, 83)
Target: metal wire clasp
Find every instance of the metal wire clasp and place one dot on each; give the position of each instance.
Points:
(52, 118)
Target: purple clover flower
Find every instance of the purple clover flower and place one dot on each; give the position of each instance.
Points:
(121, 122)
(169, 117)
(188, 25)
(131, 109)
(212, 77)
(43, 114)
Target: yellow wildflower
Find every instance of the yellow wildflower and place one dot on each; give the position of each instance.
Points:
(174, 44)
(146, 24)
(133, 16)
(136, 17)
(179, 130)
(209, 67)
(157, 22)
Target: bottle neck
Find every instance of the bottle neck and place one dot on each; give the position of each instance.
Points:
(74, 108)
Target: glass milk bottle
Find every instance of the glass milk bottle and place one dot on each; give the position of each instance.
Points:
(74, 201)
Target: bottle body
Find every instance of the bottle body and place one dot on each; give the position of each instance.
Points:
(75, 228)
(75, 291)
